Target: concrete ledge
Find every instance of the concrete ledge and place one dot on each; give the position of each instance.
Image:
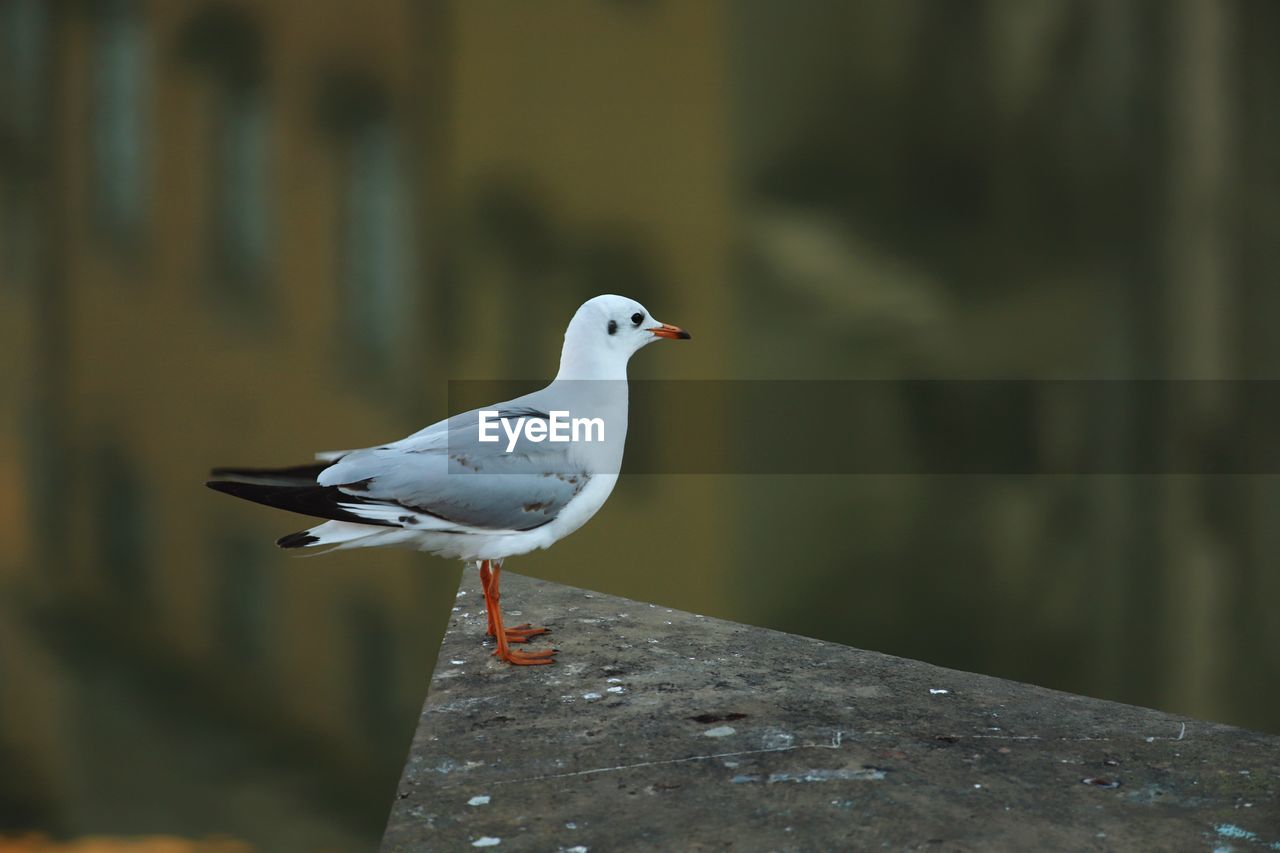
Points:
(663, 730)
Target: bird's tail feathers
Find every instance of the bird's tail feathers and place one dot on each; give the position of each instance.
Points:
(339, 536)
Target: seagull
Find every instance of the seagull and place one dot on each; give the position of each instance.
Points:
(485, 485)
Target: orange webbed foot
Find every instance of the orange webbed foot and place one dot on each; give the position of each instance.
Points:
(522, 633)
(519, 658)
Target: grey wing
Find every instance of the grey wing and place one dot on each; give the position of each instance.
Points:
(447, 473)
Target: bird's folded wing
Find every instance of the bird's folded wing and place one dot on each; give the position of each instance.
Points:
(447, 473)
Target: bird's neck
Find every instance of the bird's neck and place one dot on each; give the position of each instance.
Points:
(574, 364)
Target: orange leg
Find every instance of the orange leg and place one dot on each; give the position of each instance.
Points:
(505, 636)
(485, 580)
(518, 634)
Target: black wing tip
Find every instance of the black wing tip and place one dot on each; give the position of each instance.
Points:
(306, 472)
(249, 491)
(297, 540)
(306, 499)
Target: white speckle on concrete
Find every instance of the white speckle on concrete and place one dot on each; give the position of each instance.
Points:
(1230, 830)
(456, 609)
(570, 825)
(457, 662)
(617, 690)
(577, 849)
(614, 680)
(777, 740)
(486, 841)
(591, 697)
(461, 593)
(480, 800)
(934, 691)
(515, 612)
(720, 731)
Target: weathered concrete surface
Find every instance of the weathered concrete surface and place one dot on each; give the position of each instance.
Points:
(660, 730)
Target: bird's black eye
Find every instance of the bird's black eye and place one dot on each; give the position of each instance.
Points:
(637, 318)
(613, 326)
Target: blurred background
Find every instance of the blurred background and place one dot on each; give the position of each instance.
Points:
(240, 232)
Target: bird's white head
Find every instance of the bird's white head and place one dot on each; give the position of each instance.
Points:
(603, 335)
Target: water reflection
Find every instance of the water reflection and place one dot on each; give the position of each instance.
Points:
(239, 233)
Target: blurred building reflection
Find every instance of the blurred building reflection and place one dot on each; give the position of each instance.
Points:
(1048, 190)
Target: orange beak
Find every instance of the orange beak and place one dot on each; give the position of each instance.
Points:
(665, 331)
